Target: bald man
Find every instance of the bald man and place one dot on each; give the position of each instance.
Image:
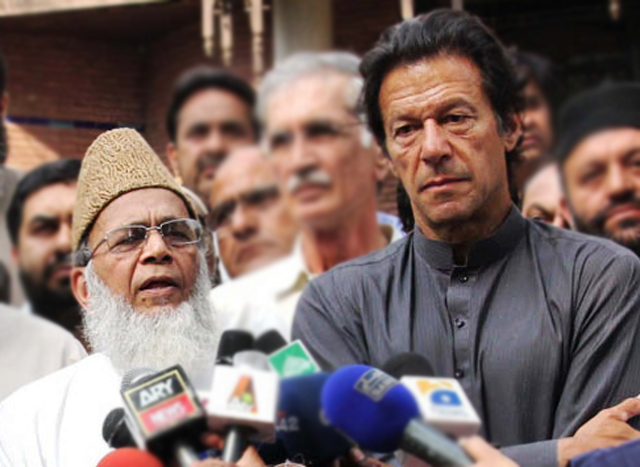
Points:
(543, 198)
(251, 221)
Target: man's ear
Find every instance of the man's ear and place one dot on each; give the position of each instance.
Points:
(172, 157)
(79, 286)
(381, 163)
(15, 256)
(513, 134)
(565, 212)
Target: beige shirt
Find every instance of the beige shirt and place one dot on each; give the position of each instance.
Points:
(30, 348)
(9, 179)
(266, 299)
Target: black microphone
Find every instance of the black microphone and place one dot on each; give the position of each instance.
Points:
(232, 342)
(115, 431)
(408, 364)
(165, 416)
(270, 342)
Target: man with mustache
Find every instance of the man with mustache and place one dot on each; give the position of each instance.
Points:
(328, 169)
(539, 325)
(599, 149)
(211, 113)
(141, 277)
(39, 221)
(252, 222)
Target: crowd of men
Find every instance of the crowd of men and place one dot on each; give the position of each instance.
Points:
(512, 265)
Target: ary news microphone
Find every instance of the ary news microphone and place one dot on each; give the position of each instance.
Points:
(270, 342)
(442, 402)
(307, 438)
(165, 416)
(380, 414)
(243, 399)
(130, 457)
(115, 431)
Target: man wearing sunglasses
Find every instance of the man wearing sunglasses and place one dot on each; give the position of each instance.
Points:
(141, 278)
(252, 223)
(328, 169)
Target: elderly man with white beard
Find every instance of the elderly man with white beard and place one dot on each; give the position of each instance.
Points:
(141, 278)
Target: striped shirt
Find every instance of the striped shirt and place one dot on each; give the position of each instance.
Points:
(540, 327)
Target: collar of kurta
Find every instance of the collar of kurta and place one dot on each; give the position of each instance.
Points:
(439, 255)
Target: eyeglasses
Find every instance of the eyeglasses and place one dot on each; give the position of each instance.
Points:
(222, 213)
(176, 232)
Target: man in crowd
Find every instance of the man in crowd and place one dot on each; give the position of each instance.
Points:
(39, 221)
(543, 198)
(30, 348)
(8, 182)
(599, 149)
(141, 277)
(328, 169)
(252, 222)
(540, 90)
(539, 325)
(211, 113)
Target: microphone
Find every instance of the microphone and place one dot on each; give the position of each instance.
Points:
(293, 360)
(243, 398)
(165, 416)
(381, 415)
(270, 342)
(442, 402)
(232, 342)
(129, 457)
(307, 439)
(115, 431)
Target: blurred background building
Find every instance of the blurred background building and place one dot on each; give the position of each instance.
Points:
(80, 67)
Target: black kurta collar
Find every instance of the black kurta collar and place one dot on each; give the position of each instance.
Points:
(440, 255)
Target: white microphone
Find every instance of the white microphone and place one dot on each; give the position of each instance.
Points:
(243, 401)
(442, 402)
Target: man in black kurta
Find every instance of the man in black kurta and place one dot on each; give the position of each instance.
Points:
(539, 325)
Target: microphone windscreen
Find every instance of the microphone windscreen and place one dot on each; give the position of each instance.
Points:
(307, 439)
(135, 376)
(270, 342)
(115, 431)
(232, 342)
(369, 406)
(408, 364)
(129, 457)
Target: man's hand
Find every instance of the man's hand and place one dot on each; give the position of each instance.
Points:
(484, 454)
(607, 429)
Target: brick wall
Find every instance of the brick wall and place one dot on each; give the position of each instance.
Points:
(67, 79)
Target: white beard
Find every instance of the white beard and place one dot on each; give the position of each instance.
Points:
(185, 335)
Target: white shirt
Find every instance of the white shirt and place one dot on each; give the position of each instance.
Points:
(32, 347)
(266, 299)
(57, 420)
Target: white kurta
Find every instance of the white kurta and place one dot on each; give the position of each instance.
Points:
(57, 420)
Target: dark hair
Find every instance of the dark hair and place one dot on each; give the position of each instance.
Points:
(204, 77)
(62, 171)
(3, 75)
(532, 67)
(441, 32)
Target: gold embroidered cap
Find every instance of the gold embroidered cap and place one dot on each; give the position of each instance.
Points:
(117, 162)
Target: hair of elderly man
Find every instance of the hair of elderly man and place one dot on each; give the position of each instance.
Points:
(311, 64)
(442, 32)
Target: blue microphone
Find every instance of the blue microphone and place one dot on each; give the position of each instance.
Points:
(380, 414)
(306, 437)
